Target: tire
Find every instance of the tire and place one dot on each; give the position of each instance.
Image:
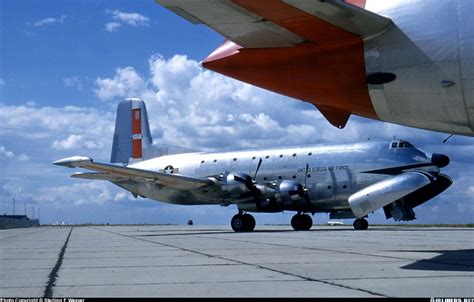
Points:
(297, 222)
(238, 223)
(361, 224)
(249, 222)
(307, 222)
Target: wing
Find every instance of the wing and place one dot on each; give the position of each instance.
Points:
(118, 173)
(277, 23)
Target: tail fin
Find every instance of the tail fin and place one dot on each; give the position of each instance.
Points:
(132, 134)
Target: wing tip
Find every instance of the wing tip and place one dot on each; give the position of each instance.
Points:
(73, 162)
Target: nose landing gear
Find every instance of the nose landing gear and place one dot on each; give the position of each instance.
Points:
(360, 224)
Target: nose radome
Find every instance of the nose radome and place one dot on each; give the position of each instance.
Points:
(440, 160)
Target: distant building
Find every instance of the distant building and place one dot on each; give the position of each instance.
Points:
(17, 221)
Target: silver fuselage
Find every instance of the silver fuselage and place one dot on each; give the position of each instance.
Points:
(334, 171)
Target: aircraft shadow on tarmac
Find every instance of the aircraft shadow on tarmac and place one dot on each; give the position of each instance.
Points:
(452, 260)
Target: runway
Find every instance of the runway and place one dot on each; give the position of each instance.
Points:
(213, 261)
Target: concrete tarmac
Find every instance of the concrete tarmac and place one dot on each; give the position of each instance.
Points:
(213, 261)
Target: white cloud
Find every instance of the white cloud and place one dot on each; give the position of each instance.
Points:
(74, 141)
(126, 83)
(74, 82)
(9, 155)
(49, 21)
(82, 192)
(123, 18)
(112, 26)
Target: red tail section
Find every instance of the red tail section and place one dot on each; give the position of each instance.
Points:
(136, 133)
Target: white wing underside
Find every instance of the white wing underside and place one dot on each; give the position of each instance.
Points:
(252, 31)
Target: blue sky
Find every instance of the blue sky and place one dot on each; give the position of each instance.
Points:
(64, 67)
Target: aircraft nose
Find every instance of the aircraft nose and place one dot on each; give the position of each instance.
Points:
(439, 160)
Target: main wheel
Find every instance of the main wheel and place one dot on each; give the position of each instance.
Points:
(360, 224)
(238, 223)
(297, 222)
(249, 222)
(307, 222)
(242, 223)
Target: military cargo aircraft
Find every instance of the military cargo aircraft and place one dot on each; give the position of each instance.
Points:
(409, 62)
(346, 181)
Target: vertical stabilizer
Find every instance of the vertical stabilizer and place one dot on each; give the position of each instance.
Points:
(132, 132)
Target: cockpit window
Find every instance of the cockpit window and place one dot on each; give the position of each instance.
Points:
(404, 145)
(400, 145)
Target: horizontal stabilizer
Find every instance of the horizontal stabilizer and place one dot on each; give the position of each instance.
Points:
(73, 162)
(174, 181)
(97, 175)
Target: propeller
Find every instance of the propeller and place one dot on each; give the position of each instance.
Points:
(258, 168)
(305, 190)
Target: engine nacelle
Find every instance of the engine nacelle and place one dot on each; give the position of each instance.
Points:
(386, 191)
(237, 185)
(289, 192)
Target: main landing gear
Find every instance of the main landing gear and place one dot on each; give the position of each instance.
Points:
(360, 224)
(243, 222)
(301, 222)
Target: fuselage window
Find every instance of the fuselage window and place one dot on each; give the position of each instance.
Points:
(294, 154)
(215, 160)
(202, 161)
(268, 156)
(253, 158)
(281, 155)
(235, 159)
(310, 153)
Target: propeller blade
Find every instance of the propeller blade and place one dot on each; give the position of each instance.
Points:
(258, 168)
(306, 174)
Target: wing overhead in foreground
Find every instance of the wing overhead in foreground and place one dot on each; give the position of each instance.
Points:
(279, 23)
(311, 50)
(118, 173)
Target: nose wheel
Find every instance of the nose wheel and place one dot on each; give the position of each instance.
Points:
(243, 223)
(301, 222)
(360, 224)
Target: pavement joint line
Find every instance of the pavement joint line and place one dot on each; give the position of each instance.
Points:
(185, 282)
(254, 265)
(348, 252)
(24, 234)
(48, 291)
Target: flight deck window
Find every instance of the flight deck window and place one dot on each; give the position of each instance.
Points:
(394, 145)
(404, 145)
